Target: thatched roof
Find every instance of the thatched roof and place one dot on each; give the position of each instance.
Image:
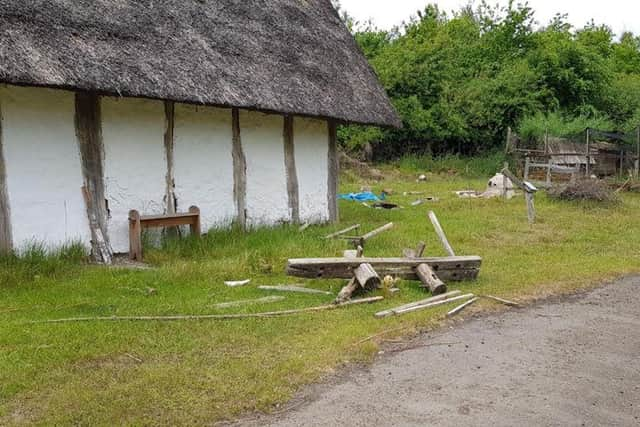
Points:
(287, 56)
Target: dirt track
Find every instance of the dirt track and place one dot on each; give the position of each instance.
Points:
(570, 363)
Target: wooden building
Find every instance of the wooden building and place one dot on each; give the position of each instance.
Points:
(157, 105)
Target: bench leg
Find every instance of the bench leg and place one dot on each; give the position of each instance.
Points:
(135, 236)
(195, 225)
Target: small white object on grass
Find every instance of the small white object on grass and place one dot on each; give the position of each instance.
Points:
(235, 284)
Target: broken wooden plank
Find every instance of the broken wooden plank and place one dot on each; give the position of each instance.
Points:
(290, 288)
(461, 307)
(212, 316)
(430, 279)
(447, 268)
(432, 304)
(390, 312)
(415, 253)
(501, 300)
(341, 232)
(377, 231)
(440, 233)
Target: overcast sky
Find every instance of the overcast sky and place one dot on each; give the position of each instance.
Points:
(620, 15)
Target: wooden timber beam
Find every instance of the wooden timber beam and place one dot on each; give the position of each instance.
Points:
(448, 268)
(239, 172)
(334, 166)
(169, 142)
(290, 168)
(6, 239)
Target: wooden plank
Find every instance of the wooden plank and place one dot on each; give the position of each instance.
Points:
(341, 232)
(239, 172)
(6, 239)
(447, 268)
(168, 222)
(175, 215)
(461, 307)
(88, 127)
(433, 304)
(442, 297)
(440, 233)
(332, 185)
(290, 169)
(377, 231)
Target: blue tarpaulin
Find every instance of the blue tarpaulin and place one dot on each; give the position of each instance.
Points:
(365, 196)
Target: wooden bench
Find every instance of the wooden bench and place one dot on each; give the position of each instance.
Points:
(137, 223)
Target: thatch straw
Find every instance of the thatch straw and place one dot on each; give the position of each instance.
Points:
(286, 56)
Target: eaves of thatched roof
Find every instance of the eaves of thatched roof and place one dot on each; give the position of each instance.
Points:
(286, 56)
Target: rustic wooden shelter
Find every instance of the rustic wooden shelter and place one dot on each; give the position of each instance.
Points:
(158, 105)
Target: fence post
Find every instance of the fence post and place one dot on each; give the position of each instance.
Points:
(588, 167)
(637, 163)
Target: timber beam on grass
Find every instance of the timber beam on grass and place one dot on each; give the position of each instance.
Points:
(448, 268)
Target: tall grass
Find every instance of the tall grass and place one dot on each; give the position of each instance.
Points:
(559, 125)
(472, 167)
(39, 260)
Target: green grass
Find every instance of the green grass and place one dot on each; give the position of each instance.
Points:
(185, 373)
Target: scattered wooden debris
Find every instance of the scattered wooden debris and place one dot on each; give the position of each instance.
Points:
(462, 306)
(212, 316)
(341, 232)
(264, 300)
(289, 288)
(360, 240)
(501, 300)
(437, 300)
(354, 285)
(413, 193)
(304, 226)
(448, 268)
(415, 253)
(238, 283)
(440, 233)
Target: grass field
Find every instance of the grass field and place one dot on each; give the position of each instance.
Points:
(197, 372)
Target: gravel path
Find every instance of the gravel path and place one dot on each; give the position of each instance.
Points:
(575, 362)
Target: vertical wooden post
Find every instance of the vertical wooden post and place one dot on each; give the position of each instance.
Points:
(332, 186)
(588, 167)
(195, 227)
(507, 148)
(549, 166)
(239, 172)
(135, 236)
(6, 239)
(527, 166)
(531, 211)
(169, 117)
(88, 124)
(290, 167)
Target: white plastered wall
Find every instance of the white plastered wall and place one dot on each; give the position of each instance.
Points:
(263, 145)
(311, 142)
(203, 163)
(135, 164)
(44, 174)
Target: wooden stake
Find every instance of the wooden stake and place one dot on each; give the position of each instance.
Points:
(212, 316)
(135, 236)
(440, 233)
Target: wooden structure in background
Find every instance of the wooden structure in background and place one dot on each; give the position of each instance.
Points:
(137, 223)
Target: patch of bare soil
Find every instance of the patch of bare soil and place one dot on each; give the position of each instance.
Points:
(573, 362)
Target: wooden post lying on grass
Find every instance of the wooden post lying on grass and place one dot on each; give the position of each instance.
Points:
(341, 232)
(440, 233)
(442, 297)
(461, 307)
(360, 240)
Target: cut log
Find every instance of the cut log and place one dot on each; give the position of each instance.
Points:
(461, 307)
(442, 297)
(399, 311)
(353, 286)
(440, 233)
(367, 277)
(430, 279)
(447, 268)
